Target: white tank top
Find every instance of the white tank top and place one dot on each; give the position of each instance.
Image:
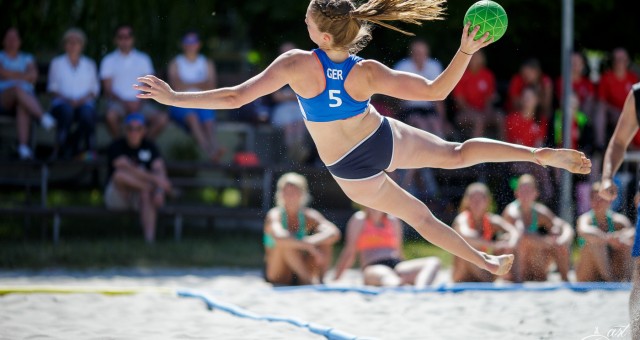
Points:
(192, 71)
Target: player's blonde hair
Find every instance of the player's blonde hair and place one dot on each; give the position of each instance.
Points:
(350, 26)
(296, 180)
(473, 188)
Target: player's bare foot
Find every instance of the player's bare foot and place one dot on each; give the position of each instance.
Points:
(498, 265)
(570, 160)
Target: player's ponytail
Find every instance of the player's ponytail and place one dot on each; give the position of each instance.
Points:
(350, 26)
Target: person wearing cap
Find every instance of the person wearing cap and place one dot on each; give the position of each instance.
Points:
(192, 71)
(118, 70)
(136, 178)
(74, 85)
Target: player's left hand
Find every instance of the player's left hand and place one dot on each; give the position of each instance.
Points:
(470, 46)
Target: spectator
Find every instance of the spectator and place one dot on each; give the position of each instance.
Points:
(18, 74)
(425, 115)
(73, 83)
(287, 117)
(544, 237)
(580, 83)
(298, 240)
(614, 86)
(191, 71)
(118, 71)
(531, 75)
(377, 237)
(483, 230)
(605, 240)
(137, 177)
(528, 127)
(474, 97)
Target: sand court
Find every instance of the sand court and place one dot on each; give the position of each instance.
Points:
(156, 313)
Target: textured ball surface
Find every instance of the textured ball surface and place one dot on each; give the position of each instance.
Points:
(490, 16)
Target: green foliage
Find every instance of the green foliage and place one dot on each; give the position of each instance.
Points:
(230, 29)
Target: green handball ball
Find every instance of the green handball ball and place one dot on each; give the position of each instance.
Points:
(490, 16)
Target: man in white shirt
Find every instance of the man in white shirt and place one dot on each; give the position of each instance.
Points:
(425, 115)
(73, 82)
(118, 71)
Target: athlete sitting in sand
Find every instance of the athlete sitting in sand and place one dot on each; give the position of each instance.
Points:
(605, 240)
(359, 145)
(483, 230)
(298, 241)
(377, 238)
(544, 236)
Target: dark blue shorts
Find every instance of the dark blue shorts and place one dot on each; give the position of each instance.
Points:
(636, 244)
(371, 157)
(390, 262)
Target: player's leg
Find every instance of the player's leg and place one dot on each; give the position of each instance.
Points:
(382, 193)
(414, 148)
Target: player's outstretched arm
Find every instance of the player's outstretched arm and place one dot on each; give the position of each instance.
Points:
(625, 130)
(271, 79)
(407, 86)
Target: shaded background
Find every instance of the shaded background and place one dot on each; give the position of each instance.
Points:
(242, 36)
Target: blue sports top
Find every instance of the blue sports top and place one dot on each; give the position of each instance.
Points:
(334, 102)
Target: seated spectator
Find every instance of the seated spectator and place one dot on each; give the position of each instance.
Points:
(137, 178)
(18, 74)
(298, 240)
(474, 97)
(483, 230)
(544, 237)
(528, 127)
(531, 75)
(377, 238)
(582, 86)
(286, 116)
(614, 86)
(191, 71)
(73, 83)
(118, 71)
(605, 239)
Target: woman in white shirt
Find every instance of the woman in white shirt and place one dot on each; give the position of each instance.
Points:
(191, 71)
(73, 82)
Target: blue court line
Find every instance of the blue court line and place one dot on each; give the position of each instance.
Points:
(467, 286)
(328, 332)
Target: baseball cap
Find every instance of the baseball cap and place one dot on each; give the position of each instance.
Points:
(134, 117)
(190, 38)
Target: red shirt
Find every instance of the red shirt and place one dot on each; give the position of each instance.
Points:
(614, 91)
(517, 84)
(524, 131)
(476, 88)
(582, 87)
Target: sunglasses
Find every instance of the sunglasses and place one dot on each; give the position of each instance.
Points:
(124, 36)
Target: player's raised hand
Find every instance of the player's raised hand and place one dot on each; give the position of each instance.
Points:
(470, 46)
(155, 88)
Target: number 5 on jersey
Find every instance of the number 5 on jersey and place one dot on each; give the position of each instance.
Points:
(333, 96)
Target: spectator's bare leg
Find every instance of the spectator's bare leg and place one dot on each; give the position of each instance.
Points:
(148, 215)
(418, 272)
(381, 275)
(29, 102)
(8, 98)
(197, 130)
(561, 255)
(23, 125)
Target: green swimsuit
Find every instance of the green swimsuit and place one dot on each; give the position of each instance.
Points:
(270, 242)
(610, 225)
